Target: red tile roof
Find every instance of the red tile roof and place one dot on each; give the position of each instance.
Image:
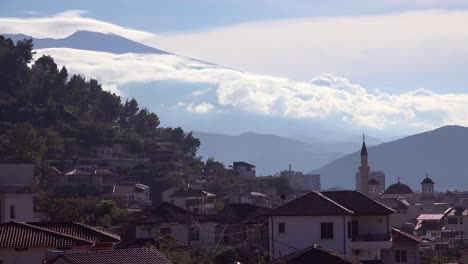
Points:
(332, 203)
(402, 237)
(18, 234)
(317, 255)
(358, 202)
(313, 203)
(117, 256)
(78, 230)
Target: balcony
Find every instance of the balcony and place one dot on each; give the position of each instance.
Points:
(371, 241)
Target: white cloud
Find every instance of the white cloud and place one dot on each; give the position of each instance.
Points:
(359, 47)
(325, 97)
(200, 108)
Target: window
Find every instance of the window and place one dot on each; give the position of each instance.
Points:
(12, 212)
(461, 221)
(452, 221)
(401, 256)
(282, 227)
(194, 234)
(349, 230)
(356, 252)
(165, 230)
(326, 230)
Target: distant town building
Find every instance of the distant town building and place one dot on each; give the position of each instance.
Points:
(256, 198)
(195, 200)
(399, 190)
(243, 169)
(136, 195)
(299, 181)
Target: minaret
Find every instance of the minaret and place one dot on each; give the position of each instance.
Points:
(364, 168)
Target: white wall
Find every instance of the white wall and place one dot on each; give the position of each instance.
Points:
(304, 231)
(376, 225)
(413, 255)
(33, 255)
(24, 207)
(16, 174)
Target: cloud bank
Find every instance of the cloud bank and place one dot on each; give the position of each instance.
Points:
(325, 97)
(387, 46)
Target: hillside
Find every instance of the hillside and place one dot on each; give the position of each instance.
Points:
(270, 153)
(95, 41)
(441, 152)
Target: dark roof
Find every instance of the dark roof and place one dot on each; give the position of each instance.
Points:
(242, 163)
(78, 230)
(427, 180)
(317, 255)
(160, 213)
(19, 234)
(398, 188)
(357, 202)
(313, 203)
(116, 256)
(399, 236)
(373, 181)
(395, 204)
(191, 193)
(364, 149)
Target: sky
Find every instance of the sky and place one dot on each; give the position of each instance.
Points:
(391, 67)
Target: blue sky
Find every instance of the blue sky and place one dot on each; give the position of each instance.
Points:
(391, 67)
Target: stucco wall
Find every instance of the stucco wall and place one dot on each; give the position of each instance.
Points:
(23, 204)
(303, 231)
(413, 254)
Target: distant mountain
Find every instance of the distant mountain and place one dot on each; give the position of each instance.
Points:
(94, 41)
(443, 153)
(270, 153)
(344, 146)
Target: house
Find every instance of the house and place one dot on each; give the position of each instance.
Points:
(257, 198)
(90, 176)
(429, 225)
(243, 169)
(169, 219)
(317, 255)
(196, 200)
(120, 156)
(24, 243)
(344, 221)
(405, 212)
(16, 197)
(136, 195)
(406, 248)
(456, 219)
(116, 256)
(101, 238)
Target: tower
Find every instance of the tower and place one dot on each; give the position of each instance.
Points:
(427, 188)
(364, 169)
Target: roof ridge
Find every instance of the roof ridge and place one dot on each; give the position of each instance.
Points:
(415, 238)
(349, 210)
(48, 231)
(104, 232)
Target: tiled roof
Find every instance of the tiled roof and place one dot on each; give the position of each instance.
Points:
(317, 255)
(313, 203)
(129, 188)
(357, 202)
(399, 236)
(395, 204)
(241, 212)
(242, 163)
(78, 230)
(191, 193)
(161, 213)
(18, 234)
(117, 256)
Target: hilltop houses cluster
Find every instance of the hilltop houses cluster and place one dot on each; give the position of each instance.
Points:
(251, 223)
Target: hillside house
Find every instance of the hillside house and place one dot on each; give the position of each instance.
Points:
(344, 221)
(243, 169)
(136, 195)
(317, 255)
(196, 200)
(90, 176)
(256, 198)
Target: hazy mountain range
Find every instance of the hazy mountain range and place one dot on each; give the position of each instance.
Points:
(442, 153)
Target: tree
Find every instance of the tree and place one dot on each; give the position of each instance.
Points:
(24, 144)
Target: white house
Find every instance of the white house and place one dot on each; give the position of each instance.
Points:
(257, 198)
(16, 197)
(344, 221)
(406, 248)
(196, 200)
(136, 195)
